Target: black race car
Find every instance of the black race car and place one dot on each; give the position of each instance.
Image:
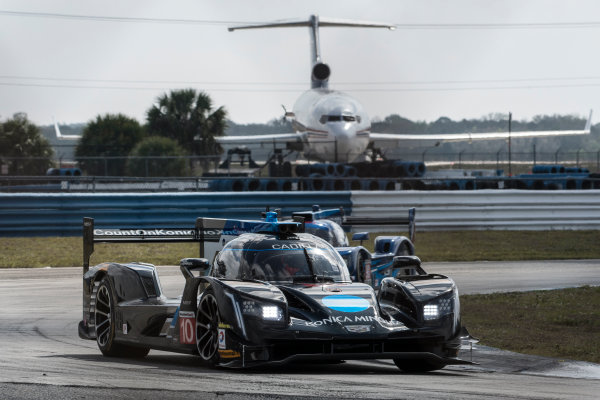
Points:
(272, 295)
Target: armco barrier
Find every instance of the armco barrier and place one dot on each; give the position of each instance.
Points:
(486, 209)
(24, 214)
(61, 214)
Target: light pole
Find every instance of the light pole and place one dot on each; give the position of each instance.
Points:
(429, 148)
(509, 150)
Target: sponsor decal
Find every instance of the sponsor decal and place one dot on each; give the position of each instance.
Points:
(125, 329)
(143, 232)
(222, 341)
(187, 327)
(350, 320)
(292, 246)
(224, 326)
(213, 235)
(345, 303)
(229, 354)
(358, 328)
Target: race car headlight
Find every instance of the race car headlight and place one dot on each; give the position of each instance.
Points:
(272, 313)
(264, 311)
(443, 305)
(431, 311)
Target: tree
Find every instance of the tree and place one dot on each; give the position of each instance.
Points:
(28, 151)
(188, 118)
(111, 135)
(168, 158)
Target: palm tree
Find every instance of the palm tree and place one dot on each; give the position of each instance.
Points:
(188, 117)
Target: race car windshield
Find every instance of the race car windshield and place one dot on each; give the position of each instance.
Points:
(283, 265)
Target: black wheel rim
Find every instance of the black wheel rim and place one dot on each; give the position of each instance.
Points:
(207, 321)
(102, 315)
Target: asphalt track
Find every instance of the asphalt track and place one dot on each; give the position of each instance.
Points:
(41, 356)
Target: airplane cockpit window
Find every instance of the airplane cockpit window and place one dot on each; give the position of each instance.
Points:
(337, 118)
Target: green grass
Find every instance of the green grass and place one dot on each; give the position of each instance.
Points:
(555, 323)
(430, 246)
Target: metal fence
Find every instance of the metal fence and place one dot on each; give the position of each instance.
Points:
(513, 163)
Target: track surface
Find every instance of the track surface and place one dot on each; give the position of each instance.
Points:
(41, 356)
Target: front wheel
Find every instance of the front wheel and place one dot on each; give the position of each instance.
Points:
(207, 328)
(104, 319)
(408, 365)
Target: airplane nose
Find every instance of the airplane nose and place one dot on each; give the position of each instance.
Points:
(344, 135)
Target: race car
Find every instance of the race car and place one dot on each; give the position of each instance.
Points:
(363, 266)
(271, 295)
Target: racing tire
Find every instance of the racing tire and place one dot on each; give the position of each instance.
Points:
(408, 365)
(207, 327)
(105, 326)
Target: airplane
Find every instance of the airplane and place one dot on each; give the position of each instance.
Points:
(332, 126)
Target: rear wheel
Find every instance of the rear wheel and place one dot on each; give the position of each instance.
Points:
(409, 365)
(207, 327)
(104, 318)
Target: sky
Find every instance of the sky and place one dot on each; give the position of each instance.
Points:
(458, 59)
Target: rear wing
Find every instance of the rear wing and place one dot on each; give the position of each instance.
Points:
(211, 234)
(338, 215)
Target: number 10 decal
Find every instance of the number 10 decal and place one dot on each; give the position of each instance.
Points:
(187, 327)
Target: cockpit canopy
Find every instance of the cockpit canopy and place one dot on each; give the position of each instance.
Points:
(329, 231)
(268, 258)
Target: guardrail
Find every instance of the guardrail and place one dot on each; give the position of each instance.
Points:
(487, 209)
(61, 214)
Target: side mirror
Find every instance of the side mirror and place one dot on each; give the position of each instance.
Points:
(360, 236)
(187, 265)
(406, 261)
(407, 266)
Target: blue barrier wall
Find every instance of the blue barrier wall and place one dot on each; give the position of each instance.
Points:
(61, 214)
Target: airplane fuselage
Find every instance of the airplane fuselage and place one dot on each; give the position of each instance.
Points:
(335, 125)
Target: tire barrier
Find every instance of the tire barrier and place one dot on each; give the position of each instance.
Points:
(548, 169)
(378, 169)
(269, 185)
(553, 181)
(315, 183)
(370, 184)
(350, 171)
(228, 185)
(280, 169)
(63, 172)
(576, 170)
(326, 170)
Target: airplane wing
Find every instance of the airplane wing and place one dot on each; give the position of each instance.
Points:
(479, 136)
(270, 138)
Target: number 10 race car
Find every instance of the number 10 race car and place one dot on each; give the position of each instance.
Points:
(271, 295)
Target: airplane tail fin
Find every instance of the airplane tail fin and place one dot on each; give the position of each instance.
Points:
(314, 22)
(60, 136)
(588, 124)
(56, 129)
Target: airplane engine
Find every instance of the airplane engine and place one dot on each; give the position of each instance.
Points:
(320, 75)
